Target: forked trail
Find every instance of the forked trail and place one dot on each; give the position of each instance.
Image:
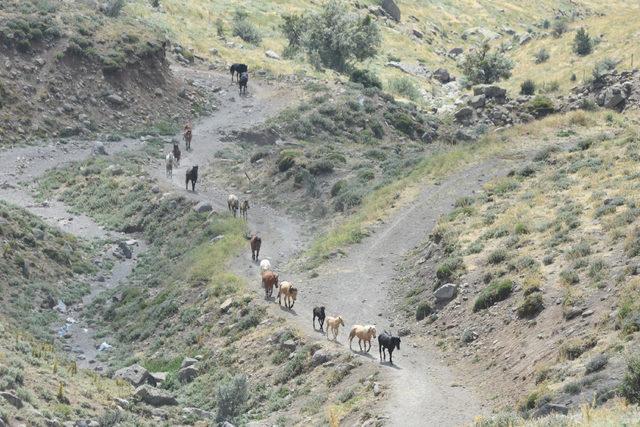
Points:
(422, 390)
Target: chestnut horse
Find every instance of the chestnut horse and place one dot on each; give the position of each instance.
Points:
(256, 242)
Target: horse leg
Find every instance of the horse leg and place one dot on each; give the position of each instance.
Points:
(360, 344)
(380, 351)
(390, 355)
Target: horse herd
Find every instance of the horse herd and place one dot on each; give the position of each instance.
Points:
(289, 293)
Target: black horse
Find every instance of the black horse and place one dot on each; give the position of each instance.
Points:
(319, 313)
(176, 153)
(244, 79)
(238, 69)
(192, 175)
(388, 342)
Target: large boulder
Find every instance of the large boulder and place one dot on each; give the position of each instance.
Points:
(442, 75)
(321, 356)
(188, 374)
(463, 115)
(477, 101)
(135, 375)
(12, 399)
(446, 292)
(203, 207)
(392, 9)
(614, 96)
(271, 54)
(116, 100)
(188, 361)
(455, 52)
(490, 91)
(154, 396)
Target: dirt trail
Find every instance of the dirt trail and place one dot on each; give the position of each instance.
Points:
(422, 389)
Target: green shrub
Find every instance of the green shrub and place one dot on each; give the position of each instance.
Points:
(349, 196)
(321, 167)
(582, 43)
(541, 56)
(423, 310)
(630, 388)
(569, 277)
(406, 87)
(541, 106)
(528, 87)
(531, 305)
(232, 396)
(497, 291)
(447, 270)
(483, 66)
(219, 27)
(404, 122)
(285, 162)
(366, 77)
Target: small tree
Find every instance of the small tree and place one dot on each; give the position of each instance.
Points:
(245, 29)
(528, 87)
(582, 43)
(484, 66)
(332, 37)
(541, 56)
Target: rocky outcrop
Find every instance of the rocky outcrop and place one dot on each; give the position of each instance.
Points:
(135, 375)
(614, 90)
(446, 292)
(154, 397)
(392, 9)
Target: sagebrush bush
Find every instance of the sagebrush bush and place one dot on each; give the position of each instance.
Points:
(447, 270)
(630, 388)
(541, 106)
(406, 87)
(113, 8)
(232, 396)
(541, 56)
(497, 256)
(366, 77)
(495, 292)
(574, 348)
(246, 30)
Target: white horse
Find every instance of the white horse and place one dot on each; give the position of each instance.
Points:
(168, 164)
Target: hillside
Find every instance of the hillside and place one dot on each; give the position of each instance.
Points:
(462, 176)
(70, 69)
(543, 267)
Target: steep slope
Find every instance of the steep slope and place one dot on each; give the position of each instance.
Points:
(543, 267)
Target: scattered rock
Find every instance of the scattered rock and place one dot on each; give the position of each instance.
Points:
(469, 336)
(98, 149)
(12, 399)
(154, 396)
(550, 408)
(477, 101)
(446, 292)
(321, 356)
(613, 97)
(464, 115)
(587, 313)
(392, 9)
(442, 75)
(188, 374)
(416, 32)
(573, 312)
(376, 389)
(188, 361)
(200, 413)
(135, 375)
(490, 91)
(403, 332)
(456, 51)
(289, 345)
(271, 54)
(203, 207)
(226, 305)
(116, 100)
(159, 377)
(524, 39)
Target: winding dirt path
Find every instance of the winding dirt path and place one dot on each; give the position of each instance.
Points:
(422, 390)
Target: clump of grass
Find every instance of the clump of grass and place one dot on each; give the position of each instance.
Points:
(497, 291)
(596, 363)
(423, 310)
(630, 388)
(497, 256)
(569, 277)
(404, 86)
(448, 269)
(574, 348)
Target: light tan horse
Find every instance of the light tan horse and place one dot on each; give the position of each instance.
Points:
(290, 294)
(334, 323)
(364, 333)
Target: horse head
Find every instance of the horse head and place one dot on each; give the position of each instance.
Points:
(372, 331)
(293, 292)
(396, 342)
(340, 321)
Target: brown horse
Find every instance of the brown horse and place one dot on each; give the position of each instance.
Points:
(244, 209)
(176, 153)
(269, 281)
(256, 242)
(187, 135)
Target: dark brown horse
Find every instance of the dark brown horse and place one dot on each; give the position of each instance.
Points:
(187, 135)
(256, 242)
(176, 153)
